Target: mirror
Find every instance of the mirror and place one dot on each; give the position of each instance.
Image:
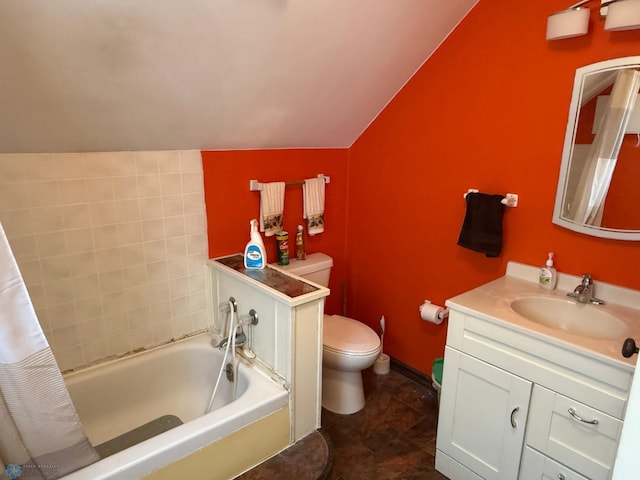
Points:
(599, 185)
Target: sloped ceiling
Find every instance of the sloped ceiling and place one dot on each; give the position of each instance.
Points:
(108, 75)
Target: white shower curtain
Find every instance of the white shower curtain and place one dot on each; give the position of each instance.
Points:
(40, 433)
(587, 205)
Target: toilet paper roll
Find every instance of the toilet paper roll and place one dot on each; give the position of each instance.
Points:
(433, 313)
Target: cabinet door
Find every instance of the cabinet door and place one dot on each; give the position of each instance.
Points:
(536, 466)
(572, 433)
(483, 412)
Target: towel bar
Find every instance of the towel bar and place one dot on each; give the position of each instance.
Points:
(255, 185)
(510, 199)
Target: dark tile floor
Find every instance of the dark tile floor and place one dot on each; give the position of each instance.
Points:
(393, 437)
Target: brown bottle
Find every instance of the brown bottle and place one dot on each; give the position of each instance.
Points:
(300, 253)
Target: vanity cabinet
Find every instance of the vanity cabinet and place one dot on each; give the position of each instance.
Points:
(482, 416)
(515, 405)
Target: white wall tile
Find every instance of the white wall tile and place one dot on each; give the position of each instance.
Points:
(146, 162)
(125, 187)
(153, 229)
(47, 219)
(109, 259)
(54, 269)
(79, 240)
(99, 189)
(76, 216)
(69, 358)
(150, 207)
(82, 263)
(190, 161)
(148, 185)
(86, 286)
(172, 205)
(14, 171)
(112, 246)
(24, 247)
(130, 232)
(17, 223)
(43, 193)
(174, 226)
(94, 349)
(51, 243)
(88, 308)
(105, 236)
(13, 195)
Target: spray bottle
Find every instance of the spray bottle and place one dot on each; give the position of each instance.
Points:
(254, 253)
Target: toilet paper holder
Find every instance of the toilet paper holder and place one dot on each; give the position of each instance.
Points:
(433, 313)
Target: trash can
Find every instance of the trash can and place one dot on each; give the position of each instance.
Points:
(436, 376)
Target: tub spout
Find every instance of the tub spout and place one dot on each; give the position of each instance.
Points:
(241, 339)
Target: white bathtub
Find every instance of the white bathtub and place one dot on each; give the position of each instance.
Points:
(176, 379)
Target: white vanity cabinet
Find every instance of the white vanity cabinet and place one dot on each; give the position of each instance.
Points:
(507, 397)
(482, 416)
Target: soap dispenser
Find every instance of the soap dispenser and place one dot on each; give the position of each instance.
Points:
(254, 253)
(548, 274)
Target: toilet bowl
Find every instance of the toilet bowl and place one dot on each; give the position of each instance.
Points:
(349, 346)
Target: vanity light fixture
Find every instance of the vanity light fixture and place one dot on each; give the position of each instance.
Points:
(623, 15)
(574, 21)
(569, 23)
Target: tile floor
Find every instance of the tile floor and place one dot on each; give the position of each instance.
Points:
(393, 437)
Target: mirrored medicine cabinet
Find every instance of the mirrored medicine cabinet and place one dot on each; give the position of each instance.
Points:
(599, 184)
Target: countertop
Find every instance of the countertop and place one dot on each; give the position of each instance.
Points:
(492, 302)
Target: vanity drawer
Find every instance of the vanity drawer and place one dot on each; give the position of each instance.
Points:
(536, 466)
(573, 373)
(578, 436)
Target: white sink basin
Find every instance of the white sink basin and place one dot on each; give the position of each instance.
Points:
(573, 317)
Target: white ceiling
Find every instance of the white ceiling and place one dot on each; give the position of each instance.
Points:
(108, 75)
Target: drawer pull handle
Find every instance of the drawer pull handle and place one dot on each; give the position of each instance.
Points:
(573, 413)
(513, 412)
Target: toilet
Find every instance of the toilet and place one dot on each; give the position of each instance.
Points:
(349, 346)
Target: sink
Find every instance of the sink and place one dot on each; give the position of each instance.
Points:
(573, 317)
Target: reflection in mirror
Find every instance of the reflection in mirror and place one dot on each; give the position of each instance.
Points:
(599, 186)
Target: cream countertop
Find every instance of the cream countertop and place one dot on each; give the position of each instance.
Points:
(492, 302)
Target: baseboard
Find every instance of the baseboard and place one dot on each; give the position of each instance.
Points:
(411, 373)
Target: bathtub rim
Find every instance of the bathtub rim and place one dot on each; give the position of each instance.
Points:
(163, 449)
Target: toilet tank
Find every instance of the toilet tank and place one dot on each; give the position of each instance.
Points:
(316, 268)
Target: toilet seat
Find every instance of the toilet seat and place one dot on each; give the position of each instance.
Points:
(347, 336)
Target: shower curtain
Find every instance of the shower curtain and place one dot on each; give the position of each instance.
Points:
(40, 433)
(587, 204)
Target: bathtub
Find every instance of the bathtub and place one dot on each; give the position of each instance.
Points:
(175, 379)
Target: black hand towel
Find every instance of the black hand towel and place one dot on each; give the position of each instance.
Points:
(482, 227)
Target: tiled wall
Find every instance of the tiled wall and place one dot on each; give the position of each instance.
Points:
(112, 247)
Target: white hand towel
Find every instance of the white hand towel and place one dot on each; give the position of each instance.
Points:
(313, 196)
(271, 208)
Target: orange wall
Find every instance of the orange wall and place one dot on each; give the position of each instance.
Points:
(488, 110)
(230, 204)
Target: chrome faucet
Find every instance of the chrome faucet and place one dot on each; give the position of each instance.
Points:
(241, 339)
(584, 292)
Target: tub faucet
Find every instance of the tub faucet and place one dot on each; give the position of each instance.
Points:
(584, 292)
(241, 339)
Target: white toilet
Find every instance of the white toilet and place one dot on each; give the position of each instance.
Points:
(349, 346)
